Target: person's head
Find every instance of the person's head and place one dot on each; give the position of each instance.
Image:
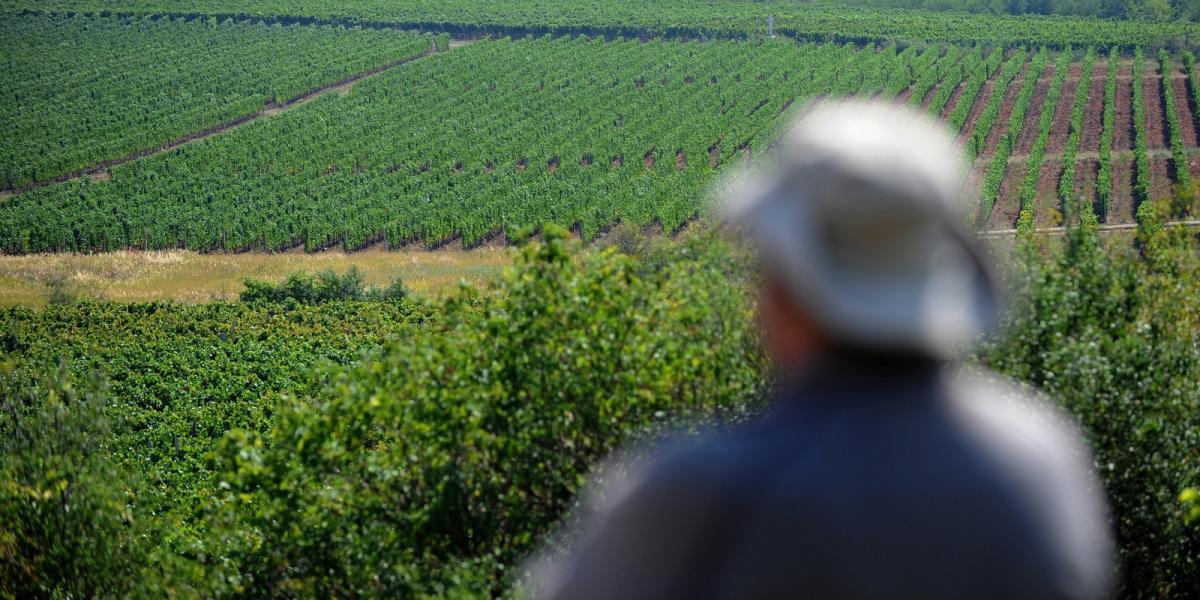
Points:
(860, 229)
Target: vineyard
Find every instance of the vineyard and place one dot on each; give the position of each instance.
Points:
(340, 435)
(496, 137)
(736, 19)
(82, 91)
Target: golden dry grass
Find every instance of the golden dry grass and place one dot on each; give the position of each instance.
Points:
(190, 277)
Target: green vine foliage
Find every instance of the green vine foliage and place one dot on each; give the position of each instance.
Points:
(379, 448)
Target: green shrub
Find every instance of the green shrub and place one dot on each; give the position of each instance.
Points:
(455, 452)
(1115, 338)
(69, 522)
(325, 286)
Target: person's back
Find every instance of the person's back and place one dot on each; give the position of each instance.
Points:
(868, 480)
(880, 470)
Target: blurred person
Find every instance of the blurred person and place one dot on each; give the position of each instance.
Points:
(881, 470)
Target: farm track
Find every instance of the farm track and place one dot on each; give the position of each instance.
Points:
(1046, 209)
(1060, 129)
(1123, 117)
(1059, 230)
(1033, 115)
(343, 86)
(1086, 172)
(1156, 122)
(1000, 126)
(981, 101)
(1093, 112)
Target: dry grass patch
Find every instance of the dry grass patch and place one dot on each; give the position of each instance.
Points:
(190, 277)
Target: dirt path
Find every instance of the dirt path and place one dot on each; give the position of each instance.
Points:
(1037, 104)
(1093, 111)
(1086, 172)
(1060, 129)
(1008, 205)
(1047, 211)
(1122, 200)
(1156, 122)
(955, 96)
(341, 87)
(1123, 119)
(1001, 125)
(985, 94)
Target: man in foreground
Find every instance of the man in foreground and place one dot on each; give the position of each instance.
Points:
(880, 471)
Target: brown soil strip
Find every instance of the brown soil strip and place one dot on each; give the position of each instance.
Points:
(271, 109)
(1008, 206)
(1186, 111)
(1123, 119)
(985, 94)
(1160, 177)
(1000, 126)
(1122, 200)
(1086, 172)
(1060, 129)
(1047, 211)
(954, 97)
(1108, 227)
(1093, 111)
(1156, 122)
(1037, 104)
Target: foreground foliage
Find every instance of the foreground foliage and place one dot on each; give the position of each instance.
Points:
(434, 463)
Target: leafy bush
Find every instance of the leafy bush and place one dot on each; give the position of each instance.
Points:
(433, 465)
(326, 286)
(68, 519)
(1116, 339)
(452, 454)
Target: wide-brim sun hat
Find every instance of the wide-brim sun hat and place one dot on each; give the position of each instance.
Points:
(863, 218)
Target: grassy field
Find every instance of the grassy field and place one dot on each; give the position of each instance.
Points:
(186, 276)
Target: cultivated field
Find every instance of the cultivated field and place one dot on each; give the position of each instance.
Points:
(492, 139)
(169, 430)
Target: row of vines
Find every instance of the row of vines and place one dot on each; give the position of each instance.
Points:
(78, 91)
(672, 18)
(496, 137)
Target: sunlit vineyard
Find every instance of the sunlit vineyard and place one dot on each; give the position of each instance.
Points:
(80, 91)
(496, 137)
(819, 20)
(321, 437)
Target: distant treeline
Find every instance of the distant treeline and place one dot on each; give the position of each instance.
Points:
(1145, 10)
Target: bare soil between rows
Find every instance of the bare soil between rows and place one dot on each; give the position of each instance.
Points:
(1033, 113)
(1093, 112)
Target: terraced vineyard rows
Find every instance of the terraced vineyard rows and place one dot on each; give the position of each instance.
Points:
(672, 18)
(79, 91)
(500, 136)
(494, 137)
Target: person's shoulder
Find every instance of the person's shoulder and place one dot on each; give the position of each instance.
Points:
(1013, 417)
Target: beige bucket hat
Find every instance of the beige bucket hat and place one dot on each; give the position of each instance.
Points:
(863, 218)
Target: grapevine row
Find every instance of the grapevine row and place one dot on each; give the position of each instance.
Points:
(693, 19)
(983, 127)
(496, 137)
(80, 91)
(1141, 161)
(1033, 162)
(975, 83)
(1066, 184)
(995, 174)
(1182, 176)
(1104, 189)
